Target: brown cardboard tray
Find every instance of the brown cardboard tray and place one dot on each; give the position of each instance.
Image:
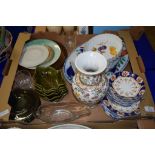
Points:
(97, 119)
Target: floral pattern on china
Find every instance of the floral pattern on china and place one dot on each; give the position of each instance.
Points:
(69, 65)
(109, 45)
(128, 84)
(89, 84)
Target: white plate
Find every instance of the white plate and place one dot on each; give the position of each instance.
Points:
(126, 86)
(69, 126)
(33, 56)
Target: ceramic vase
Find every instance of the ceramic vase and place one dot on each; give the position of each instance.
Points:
(89, 83)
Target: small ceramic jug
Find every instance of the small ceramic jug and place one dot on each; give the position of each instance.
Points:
(89, 83)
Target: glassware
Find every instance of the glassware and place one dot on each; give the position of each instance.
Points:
(70, 38)
(56, 29)
(23, 80)
(62, 113)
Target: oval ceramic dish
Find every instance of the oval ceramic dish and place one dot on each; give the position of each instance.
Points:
(109, 45)
(69, 65)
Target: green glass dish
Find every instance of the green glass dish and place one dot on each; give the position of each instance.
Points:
(24, 104)
(49, 84)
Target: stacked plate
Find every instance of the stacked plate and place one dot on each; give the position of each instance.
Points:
(49, 84)
(126, 90)
(39, 52)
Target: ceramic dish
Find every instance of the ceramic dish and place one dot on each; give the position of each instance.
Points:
(115, 114)
(120, 108)
(127, 85)
(69, 126)
(51, 45)
(24, 105)
(69, 65)
(49, 84)
(33, 56)
(107, 44)
(120, 101)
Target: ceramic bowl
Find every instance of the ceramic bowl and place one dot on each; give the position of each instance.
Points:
(24, 104)
(126, 88)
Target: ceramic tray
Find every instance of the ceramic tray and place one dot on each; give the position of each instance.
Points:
(69, 66)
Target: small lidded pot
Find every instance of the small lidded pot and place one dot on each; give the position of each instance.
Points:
(89, 83)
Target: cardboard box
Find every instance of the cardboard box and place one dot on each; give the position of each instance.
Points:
(97, 119)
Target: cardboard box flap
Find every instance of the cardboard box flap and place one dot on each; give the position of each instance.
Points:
(9, 77)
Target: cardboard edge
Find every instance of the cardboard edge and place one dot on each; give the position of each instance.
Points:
(40, 29)
(138, 68)
(9, 78)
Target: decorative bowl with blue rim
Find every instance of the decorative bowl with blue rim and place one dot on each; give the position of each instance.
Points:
(126, 88)
(117, 114)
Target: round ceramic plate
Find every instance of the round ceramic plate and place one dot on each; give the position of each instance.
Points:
(69, 66)
(127, 84)
(33, 56)
(69, 126)
(120, 108)
(109, 45)
(51, 44)
(116, 114)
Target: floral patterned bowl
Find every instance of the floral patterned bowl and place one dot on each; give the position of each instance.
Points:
(126, 88)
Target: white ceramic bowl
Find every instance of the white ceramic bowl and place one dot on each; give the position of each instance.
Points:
(90, 63)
